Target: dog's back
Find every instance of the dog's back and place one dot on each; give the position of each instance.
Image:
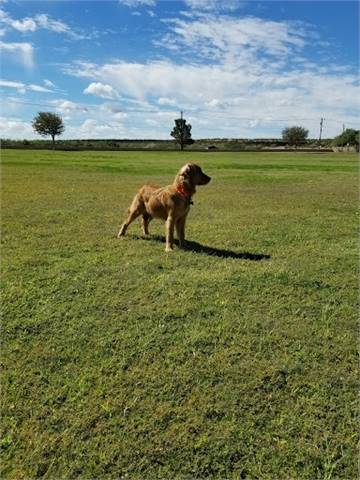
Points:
(142, 197)
(147, 190)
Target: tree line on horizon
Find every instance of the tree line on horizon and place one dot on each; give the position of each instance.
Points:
(51, 124)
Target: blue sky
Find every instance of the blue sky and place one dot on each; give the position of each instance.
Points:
(125, 68)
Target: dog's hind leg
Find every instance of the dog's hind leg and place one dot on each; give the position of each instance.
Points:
(136, 209)
(146, 219)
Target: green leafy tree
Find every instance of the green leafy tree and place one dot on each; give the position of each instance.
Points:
(348, 137)
(48, 123)
(295, 135)
(182, 133)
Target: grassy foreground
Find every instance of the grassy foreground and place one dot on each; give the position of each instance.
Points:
(233, 359)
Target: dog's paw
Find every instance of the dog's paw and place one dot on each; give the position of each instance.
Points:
(168, 249)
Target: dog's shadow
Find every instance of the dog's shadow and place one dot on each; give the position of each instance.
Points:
(212, 251)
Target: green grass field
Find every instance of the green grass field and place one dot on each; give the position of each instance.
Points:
(236, 358)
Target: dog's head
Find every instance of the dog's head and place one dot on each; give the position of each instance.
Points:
(192, 175)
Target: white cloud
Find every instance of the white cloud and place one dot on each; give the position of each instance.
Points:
(214, 5)
(38, 88)
(115, 111)
(214, 103)
(45, 21)
(101, 90)
(22, 87)
(42, 20)
(253, 123)
(111, 107)
(190, 83)
(25, 25)
(21, 52)
(138, 3)
(66, 107)
(15, 128)
(167, 101)
(91, 128)
(228, 39)
(49, 83)
(19, 86)
(152, 123)
(120, 116)
(201, 5)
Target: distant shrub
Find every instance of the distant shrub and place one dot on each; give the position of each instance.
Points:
(295, 135)
(348, 137)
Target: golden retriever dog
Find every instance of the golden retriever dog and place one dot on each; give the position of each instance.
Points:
(171, 203)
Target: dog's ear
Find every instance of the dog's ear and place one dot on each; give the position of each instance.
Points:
(184, 175)
(186, 169)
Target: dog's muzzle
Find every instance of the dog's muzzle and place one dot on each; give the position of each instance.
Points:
(206, 180)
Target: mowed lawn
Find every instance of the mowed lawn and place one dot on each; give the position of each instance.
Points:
(236, 358)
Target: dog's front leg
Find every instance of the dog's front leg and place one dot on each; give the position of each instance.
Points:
(170, 223)
(180, 229)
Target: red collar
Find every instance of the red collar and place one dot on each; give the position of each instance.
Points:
(180, 189)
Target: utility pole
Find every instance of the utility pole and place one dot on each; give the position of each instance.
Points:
(321, 127)
(343, 127)
(182, 132)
